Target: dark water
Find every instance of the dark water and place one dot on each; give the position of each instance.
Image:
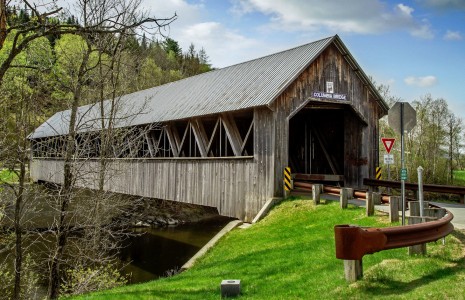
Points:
(146, 256)
(155, 251)
(158, 250)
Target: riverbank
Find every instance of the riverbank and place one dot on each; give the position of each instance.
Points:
(290, 255)
(133, 212)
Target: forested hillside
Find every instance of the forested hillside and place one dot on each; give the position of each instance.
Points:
(143, 62)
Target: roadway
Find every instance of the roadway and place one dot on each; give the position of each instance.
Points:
(458, 210)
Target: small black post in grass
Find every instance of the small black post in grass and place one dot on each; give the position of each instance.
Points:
(230, 288)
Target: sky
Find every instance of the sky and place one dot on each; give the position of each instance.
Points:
(417, 47)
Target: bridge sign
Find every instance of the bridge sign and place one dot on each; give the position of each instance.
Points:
(388, 159)
(388, 143)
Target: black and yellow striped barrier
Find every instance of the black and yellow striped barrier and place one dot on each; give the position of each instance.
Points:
(287, 179)
(379, 173)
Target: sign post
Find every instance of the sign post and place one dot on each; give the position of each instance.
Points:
(388, 158)
(402, 118)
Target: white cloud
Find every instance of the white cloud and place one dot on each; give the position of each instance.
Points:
(405, 10)
(362, 16)
(453, 36)
(186, 12)
(426, 81)
(423, 31)
(224, 46)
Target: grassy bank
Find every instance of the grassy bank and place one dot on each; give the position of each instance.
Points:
(290, 255)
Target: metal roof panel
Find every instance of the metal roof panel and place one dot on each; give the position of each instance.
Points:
(246, 85)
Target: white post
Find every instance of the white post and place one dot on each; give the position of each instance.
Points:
(420, 189)
(402, 158)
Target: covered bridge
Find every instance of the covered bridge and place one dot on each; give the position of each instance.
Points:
(223, 138)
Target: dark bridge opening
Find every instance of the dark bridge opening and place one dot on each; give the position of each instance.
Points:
(316, 141)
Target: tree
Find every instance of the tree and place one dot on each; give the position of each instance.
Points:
(116, 18)
(454, 131)
(3, 24)
(20, 112)
(172, 46)
(115, 21)
(435, 143)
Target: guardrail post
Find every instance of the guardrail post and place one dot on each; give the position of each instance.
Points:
(394, 202)
(376, 198)
(370, 206)
(414, 207)
(416, 249)
(316, 192)
(344, 197)
(353, 270)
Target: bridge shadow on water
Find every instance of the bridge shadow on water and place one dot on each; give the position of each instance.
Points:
(382, 283)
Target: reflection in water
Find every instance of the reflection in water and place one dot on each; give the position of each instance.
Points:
(146, 256)
(158, 250)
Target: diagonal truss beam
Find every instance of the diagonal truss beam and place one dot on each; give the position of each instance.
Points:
(232, 133)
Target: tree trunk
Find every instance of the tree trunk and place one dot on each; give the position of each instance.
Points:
(18, 233)
(68, 182)
(2, 22)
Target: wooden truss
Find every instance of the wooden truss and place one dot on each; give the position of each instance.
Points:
(223, 135)
(197, 137)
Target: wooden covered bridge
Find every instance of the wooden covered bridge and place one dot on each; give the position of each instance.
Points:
(223, 138)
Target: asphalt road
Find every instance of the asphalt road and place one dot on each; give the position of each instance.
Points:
(458, 210)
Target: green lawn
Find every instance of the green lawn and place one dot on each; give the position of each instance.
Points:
(290, 255)
(459, 177)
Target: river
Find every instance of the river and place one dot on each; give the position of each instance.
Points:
(158, 251)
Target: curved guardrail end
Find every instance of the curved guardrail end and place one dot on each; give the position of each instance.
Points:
(353, 242)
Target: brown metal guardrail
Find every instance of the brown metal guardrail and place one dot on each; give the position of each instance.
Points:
(306, 187)
(353, 242)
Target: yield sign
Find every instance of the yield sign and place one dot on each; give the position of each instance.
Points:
(388, 143)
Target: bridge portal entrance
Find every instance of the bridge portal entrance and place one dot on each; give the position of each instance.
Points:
(316, 142)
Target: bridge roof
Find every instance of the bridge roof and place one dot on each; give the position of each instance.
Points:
(246, 85)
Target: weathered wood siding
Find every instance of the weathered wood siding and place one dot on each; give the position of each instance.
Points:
(237, 187)
(361, 115)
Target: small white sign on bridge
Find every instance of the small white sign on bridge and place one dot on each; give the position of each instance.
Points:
(388, 159)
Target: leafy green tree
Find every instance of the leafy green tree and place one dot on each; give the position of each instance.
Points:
(172, 46)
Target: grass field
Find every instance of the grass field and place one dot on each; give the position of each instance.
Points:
(459, 178)
(290, 255)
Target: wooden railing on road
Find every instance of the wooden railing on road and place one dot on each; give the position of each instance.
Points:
(433, 188)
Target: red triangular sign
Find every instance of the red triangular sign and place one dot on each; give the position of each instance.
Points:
(388, 143)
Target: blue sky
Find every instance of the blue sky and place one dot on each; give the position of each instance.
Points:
(416, 47)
